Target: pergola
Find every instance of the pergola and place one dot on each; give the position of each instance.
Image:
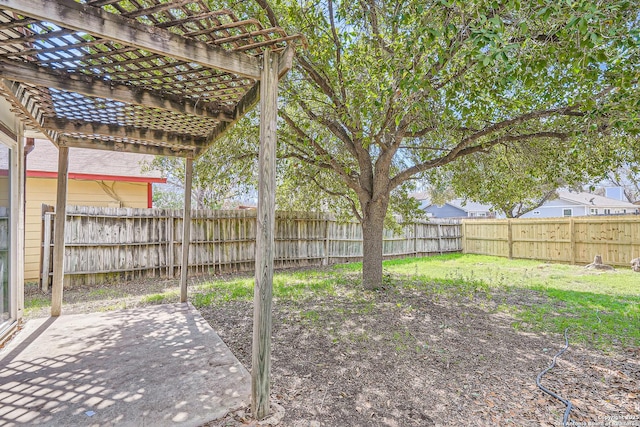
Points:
(163, 77)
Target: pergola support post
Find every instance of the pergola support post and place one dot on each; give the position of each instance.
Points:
(58, 233)
(265, 243)
(186, 228)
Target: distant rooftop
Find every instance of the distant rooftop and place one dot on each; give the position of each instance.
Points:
(44, 158)
(593, 199)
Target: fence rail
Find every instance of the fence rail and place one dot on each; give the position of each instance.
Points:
(572, 240)
(107, 244)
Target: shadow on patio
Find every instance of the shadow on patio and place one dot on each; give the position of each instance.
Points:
(160, 365)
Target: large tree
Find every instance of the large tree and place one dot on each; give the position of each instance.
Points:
(387, 91)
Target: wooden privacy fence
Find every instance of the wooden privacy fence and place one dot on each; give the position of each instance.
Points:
(572, 240)
(107, 244)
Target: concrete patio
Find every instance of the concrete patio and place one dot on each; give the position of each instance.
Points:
(159, 366)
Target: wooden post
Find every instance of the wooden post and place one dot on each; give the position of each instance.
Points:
(440, 238)
(572, 237)
(415, 239)
(186, 228)
(261, 355)
(464, 237)
(46, 251)
(58, 232)
(510, 238)
(326, 241)
(170, 245)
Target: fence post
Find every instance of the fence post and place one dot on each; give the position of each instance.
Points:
(572, 237)
(415, 239)
(510, 238)
(170, 225)
(440, 238)
(46, 252)
(326, 241)
(464, 236)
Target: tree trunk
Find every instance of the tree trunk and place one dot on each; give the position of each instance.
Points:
(372, 233)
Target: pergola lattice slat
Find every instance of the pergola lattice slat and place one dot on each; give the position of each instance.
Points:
(101, 24)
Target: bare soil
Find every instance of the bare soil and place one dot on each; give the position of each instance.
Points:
(408, 358)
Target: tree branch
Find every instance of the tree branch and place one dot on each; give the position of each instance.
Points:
(336, 41)
(350, 180)
(333, 126)
(273, 20)
(352, 204)
(460, 151)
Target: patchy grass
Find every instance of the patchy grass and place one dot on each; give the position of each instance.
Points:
(36, 302)
(601, 309)
(161, 298)
(287, 285)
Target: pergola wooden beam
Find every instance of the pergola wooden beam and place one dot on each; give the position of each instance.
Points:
(285, 61)
(127, 147)
(97, 88)
(154, 136)
(102, 24)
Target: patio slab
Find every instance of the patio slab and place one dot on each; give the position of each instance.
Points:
(153, 366)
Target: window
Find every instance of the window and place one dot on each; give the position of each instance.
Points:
(594, 211)
(567, 212)
(536, 212)
(607, 211)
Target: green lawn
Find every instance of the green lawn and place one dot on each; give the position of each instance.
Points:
(601, 309)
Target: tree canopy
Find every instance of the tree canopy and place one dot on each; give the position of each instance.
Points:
(386, 92)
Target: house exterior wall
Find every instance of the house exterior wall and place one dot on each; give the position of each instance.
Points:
(556, 208)
(445, 211)
(41, 191)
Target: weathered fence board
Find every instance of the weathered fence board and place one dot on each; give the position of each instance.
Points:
(572, 240)
(107, 244)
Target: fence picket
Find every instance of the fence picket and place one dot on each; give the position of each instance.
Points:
(109, 244)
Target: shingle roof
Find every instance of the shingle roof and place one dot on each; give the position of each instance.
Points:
(465, 205)
(469, 206)
(589, 199)
(44, 158)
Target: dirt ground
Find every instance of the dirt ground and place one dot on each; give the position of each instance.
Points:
(409, 358)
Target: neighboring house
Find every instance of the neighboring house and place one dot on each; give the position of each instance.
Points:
(96, 178)
(456, 208)
(572, 203)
